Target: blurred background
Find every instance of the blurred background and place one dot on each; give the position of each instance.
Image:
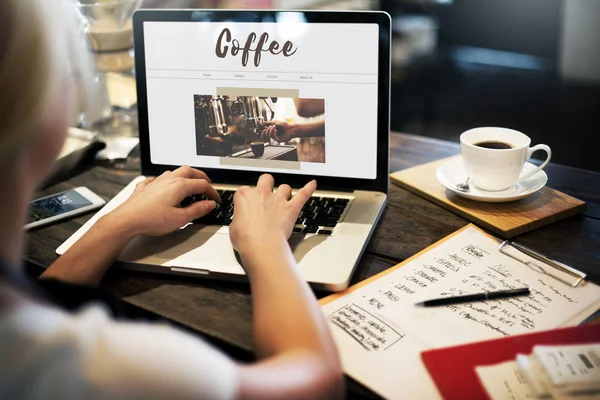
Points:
(529, 65)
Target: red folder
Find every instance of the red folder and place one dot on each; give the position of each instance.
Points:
(453, 368)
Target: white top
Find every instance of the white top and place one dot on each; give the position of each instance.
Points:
(51, 354)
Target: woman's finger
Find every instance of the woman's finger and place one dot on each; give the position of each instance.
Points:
(198, 209)
(302, 195)
(266, 182)
(189, 172)
(188, 187)
(284, 191)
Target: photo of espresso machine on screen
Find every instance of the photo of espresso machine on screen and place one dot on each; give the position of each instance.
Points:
(232, 126)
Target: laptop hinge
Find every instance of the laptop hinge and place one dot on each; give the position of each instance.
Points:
(190, 270)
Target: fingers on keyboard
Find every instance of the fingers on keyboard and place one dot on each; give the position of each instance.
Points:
(319, 215)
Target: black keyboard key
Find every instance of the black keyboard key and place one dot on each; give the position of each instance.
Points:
(311, 229)
(324, 232)
(298, 230)
(328, 214)
(321, 222)
(329, 224)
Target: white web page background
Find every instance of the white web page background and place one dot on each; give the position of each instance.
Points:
(335, 62)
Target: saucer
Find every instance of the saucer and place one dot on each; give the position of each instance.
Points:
(453, 172)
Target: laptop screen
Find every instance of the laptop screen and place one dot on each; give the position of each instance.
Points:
(278, 97)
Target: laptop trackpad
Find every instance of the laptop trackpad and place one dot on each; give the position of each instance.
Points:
(301, 244)
(169, 246)
(205, 247)
(187, 240)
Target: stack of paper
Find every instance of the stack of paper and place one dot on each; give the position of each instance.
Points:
(559, 372)
(549, 372)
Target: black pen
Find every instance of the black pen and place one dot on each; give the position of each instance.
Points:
(475, 297)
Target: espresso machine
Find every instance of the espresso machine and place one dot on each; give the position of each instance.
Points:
(226, 125)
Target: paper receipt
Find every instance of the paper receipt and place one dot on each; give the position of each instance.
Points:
(571, 365)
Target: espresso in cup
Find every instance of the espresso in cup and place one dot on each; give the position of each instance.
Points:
(491, 144)
(494, 157)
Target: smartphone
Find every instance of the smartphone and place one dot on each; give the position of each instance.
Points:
(63, 205)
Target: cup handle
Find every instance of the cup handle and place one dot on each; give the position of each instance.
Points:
(530, 151)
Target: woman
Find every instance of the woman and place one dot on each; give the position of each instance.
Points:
(48, 352)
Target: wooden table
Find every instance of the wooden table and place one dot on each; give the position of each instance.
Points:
(222, 311)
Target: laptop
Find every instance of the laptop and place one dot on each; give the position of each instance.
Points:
(301, 95)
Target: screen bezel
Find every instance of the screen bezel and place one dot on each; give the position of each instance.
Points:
(382, 19)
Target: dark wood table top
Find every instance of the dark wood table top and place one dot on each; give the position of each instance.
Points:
(221, 311)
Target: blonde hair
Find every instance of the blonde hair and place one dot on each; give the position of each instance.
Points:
(39, 48)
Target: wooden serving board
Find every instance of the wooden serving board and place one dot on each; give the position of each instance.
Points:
(505, 219)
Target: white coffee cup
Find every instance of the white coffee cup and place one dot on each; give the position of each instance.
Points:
(496, 169)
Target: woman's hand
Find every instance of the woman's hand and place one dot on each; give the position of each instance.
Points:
(262, 217)
(153, 208)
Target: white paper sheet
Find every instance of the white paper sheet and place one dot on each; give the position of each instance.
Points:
(527, 378)
(505, 381)
(571, 366)
(380, 333)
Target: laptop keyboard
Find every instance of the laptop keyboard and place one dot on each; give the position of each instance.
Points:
(318, 216)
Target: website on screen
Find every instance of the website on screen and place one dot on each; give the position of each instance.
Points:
(272, 97)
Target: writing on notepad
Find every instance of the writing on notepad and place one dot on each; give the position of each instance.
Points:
(448, 274)
(369, 331)
(378, 328)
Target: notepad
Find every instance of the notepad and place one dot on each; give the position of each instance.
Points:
(380, 333)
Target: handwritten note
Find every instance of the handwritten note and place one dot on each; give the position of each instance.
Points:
(380, 320)
(369, 331)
